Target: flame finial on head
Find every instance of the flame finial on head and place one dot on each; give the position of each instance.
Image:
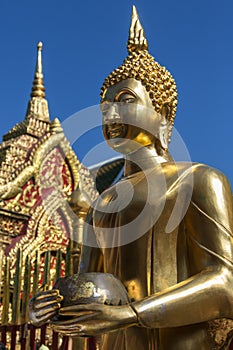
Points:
(137, 40)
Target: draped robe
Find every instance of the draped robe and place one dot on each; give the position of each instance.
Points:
(156, 229)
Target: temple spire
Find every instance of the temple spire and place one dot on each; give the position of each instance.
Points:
(38, 105)
(38, 89)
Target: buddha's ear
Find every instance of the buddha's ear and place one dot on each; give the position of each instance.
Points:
(163, 127)
(163, 134)
(165, 111)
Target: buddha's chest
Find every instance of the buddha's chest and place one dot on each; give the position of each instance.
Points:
(131, 221)
(135, 204)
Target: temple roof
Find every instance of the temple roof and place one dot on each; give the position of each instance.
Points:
(25, 144)
(37, 115)
(19, 142)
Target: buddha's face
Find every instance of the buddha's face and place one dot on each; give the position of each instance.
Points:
(129, 119)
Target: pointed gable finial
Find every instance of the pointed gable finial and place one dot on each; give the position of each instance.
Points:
(38, 89)
(137, 40)
(38, 105)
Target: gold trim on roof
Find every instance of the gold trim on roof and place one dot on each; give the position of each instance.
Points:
(31, 168)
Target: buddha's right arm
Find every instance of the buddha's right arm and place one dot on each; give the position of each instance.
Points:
(201, 298)
(207, 292)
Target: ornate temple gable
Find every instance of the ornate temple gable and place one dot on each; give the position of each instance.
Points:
(38, 173)
(37, 189)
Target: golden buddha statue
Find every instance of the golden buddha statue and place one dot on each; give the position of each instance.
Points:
(169, 241)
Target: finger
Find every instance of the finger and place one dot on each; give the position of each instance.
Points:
(78, 313)
(78, 332)
(48, 316)
(43, 312)
(66, 328)
(45, 303)
(75, 320)
(70, 334)
(40, 321)
(74, 329)
(81, 308)
(46, 294)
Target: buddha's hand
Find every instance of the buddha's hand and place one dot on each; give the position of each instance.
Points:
(43, 306)
(94, 319)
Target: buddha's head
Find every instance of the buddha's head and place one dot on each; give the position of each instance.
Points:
(138, 99)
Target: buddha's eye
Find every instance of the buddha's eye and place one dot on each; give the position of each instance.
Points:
(126, 98)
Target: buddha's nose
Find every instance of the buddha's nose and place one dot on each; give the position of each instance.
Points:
(111, 114)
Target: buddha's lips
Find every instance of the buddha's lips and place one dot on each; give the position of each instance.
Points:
(115, 130)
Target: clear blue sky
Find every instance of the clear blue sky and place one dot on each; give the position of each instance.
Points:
(85, 40)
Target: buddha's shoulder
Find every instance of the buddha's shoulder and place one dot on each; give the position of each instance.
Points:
(197, 169)
(199, 174)
(179, 171)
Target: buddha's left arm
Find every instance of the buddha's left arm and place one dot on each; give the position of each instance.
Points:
(208, 292)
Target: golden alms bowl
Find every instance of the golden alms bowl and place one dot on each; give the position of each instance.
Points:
(94, 287)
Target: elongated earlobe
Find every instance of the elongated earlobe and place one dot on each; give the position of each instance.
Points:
(163, 134)
(165, 111)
